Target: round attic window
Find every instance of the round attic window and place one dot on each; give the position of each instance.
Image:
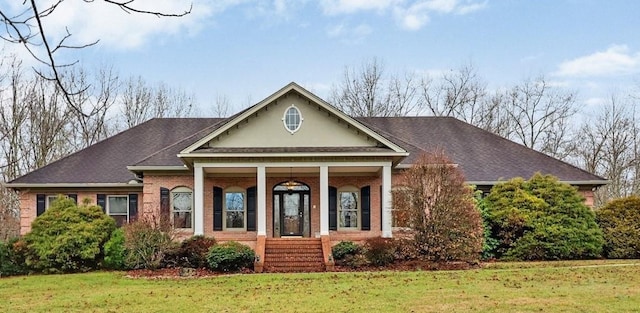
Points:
(292, 119)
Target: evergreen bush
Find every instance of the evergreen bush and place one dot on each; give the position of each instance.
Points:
(620, 223)
(541, 219)
(12, 257)
(68, 238)
(230, 256)
(344, 249)
(115, 252)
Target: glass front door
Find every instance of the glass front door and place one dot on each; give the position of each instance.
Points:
(292, 214)
(291, 211)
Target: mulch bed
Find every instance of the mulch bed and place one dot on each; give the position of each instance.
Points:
(412, 265)
(175, 273)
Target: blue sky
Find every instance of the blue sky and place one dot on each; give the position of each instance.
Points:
(247, 49)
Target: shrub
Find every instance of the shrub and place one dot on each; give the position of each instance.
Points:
(68, 238)
(489, 242)
(115, 252)
(344, 249)
(379, 251)
(192, 252)
(541, 219)
(146, 244)
(405, 249)
(12, 257)
(620, 223)
(440, 209)
(230, 256)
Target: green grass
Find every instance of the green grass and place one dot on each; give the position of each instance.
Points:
(577, 286)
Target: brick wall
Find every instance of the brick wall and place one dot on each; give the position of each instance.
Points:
(28, 201)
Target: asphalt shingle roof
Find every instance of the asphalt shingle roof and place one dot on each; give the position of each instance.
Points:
(481, 155)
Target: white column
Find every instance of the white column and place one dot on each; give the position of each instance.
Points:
(324, 200)
(386, 202)
(198, 199)
(262, 201)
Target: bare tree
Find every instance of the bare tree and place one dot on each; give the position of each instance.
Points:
(221, 107)
(141, 102)
(27, 28)
(609, 148)
(368, 92)
(90, 123)
(541, 116)
(457, 93)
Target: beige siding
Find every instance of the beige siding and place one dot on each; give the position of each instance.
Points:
(319, 129)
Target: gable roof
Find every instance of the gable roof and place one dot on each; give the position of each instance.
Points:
(291, 87)
(484, 157)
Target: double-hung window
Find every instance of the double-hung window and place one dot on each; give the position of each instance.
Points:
(182, 208)
(235, 209)
(118, 208)
(348, 208)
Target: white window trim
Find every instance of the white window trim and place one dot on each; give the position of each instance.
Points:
(355, 190)
(49, 200)
(107, 210)
(224, 208)
(181, 190)
(284, 119)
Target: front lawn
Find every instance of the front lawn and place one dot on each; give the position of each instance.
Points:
(577, 286)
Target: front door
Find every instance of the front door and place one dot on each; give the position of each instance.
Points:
(292, 215)
(291, 210)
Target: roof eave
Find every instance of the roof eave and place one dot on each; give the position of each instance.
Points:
(142, 168)
(70, 185)
(299, 154)
(570, 182)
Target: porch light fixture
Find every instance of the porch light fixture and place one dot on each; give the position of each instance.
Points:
(291, 184)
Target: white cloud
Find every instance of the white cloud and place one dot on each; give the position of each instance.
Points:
(416, 15)
(616, 60)
(115, 28)
(334, 7)
(349, 34)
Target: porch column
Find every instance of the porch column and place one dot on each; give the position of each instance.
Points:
(386, 202)
(324, 200)
(262, 201)
(198, 199)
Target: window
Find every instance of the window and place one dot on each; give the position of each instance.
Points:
(348, 208)
(118, 209)
(182, 208)
(235, 206)
(292, 119)
(50, 200)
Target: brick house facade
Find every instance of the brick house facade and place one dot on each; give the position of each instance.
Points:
(291, 166)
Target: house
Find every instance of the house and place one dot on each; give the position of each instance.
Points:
(291, 166)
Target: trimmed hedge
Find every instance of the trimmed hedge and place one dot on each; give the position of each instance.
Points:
(620, 223)
(12, 257)
(230, 256)
(541, 219)
(68, 238)
(115, 252)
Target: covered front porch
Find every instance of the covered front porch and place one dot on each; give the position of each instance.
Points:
(268, 191)
(328, 200)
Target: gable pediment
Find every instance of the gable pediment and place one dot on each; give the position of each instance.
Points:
(263, 127)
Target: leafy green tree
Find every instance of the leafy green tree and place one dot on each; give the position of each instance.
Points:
(433, 200)
(68, 237)
(620, 223)
(541, 219)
